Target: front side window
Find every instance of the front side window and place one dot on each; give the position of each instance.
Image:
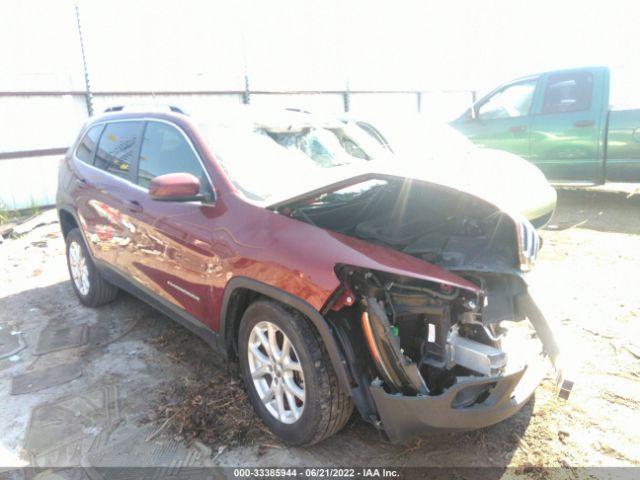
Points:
(512, 101)
(165, 150)
(568, 92)
(118, 147)
(88, 143)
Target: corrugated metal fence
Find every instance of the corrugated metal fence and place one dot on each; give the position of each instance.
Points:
(37, 126)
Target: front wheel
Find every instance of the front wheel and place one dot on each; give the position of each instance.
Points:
(288, 375)
(90, 287)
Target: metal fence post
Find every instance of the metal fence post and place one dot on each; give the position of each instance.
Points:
(87, 95)
(419, 101)
(246, 96)
(347, 98)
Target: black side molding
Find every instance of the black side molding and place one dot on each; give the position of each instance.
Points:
(178, 315)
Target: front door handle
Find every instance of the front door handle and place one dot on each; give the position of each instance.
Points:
(517, 129)
(584, 123)
(134, 206)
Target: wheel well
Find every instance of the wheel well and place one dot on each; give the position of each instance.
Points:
(67, 222)
(241, 291)
(239, 300)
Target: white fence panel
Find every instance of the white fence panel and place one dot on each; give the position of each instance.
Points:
(28, 182)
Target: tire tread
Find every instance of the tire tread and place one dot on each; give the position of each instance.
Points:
(335, 406)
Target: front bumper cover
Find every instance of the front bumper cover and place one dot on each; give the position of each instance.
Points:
(404, 417)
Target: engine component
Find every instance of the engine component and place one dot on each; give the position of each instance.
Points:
(475, 356)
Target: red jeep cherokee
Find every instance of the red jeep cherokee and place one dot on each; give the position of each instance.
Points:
(333, 274)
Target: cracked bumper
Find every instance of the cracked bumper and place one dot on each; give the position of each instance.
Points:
(404, 417)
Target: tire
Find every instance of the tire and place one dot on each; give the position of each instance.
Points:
(97, 291)
(326, 408)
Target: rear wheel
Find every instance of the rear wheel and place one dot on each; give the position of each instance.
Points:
(288, 375)
(90, 287)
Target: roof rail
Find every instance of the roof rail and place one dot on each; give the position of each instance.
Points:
(152, 106)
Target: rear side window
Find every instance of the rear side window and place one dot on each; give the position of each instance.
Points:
(166, 150)
(568, 92)
(118, 148)
(85, 148)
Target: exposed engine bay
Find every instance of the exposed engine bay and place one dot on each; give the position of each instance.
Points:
(423, 337)
(441, 226)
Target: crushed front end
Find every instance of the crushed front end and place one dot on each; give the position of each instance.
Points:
(457, 348)
(437, 363)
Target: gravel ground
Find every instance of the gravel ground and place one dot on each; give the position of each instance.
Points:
(586, 279)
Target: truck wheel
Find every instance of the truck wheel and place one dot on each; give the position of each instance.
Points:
(288, 375)
(90, 287)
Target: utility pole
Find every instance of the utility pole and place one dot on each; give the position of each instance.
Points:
(87, 92)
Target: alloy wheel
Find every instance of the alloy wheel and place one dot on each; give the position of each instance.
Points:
(79, 268)
(276, 372)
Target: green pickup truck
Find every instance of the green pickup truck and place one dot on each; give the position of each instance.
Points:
(561, 121)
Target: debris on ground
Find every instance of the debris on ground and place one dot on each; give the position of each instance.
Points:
(209, 405)
(632, 349)
(215, 411)
(45, 218)
(6, 229)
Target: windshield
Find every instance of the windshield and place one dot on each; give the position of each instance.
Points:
(273, 157)
(263, 161)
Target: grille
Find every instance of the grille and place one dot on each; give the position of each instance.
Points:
(529, 244)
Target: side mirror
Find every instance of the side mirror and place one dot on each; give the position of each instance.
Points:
(176, 187)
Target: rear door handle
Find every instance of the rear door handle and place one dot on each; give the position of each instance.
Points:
(134, 206)
(584, 123)
(517, 129)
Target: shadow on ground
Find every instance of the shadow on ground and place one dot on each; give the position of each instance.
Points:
(604, 211)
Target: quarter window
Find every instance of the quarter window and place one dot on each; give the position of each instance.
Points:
(118, 147)
(165, 150)
(568, 92)
(88, 143)
(512, 101)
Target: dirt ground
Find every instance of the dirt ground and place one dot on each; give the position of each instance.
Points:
(133, 360)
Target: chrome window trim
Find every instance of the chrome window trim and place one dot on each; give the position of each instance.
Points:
(84, 135)
(104, 123)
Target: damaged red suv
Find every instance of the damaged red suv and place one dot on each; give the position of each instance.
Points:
(334, 274)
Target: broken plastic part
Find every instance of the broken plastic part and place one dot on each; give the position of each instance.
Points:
(564, 376)
(398, 372)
